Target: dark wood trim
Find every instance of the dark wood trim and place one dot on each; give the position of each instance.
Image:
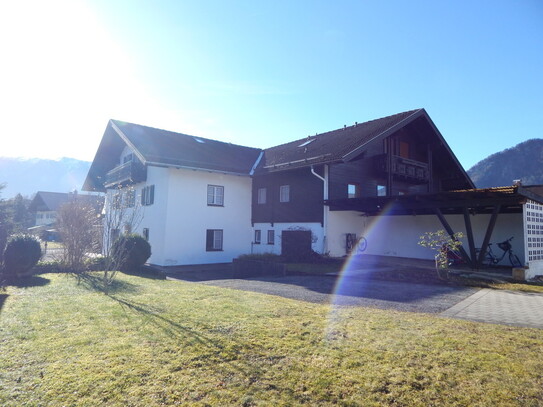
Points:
(450, 231)
(469, 233)
(488, 235)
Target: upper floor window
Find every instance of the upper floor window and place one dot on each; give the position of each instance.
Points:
(128, 158)
(215, 195)
(261, 198)
(381, 190)
(148, 195)
(130, 198)
(214, 240)
(284, 193)
(353, 191)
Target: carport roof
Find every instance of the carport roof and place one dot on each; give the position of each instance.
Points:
(509, 199)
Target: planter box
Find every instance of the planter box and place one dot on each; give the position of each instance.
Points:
(257, 268)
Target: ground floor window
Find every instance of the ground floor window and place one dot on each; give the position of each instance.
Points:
(258, 236)
(146, 233)
(214, 240)
(271, 237)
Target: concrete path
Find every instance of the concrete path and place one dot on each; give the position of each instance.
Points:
(500, 307)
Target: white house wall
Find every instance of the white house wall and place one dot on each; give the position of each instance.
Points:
(189, 217)
(399, 235)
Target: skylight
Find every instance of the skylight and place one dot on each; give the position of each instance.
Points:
(305, 143)
(199, 140)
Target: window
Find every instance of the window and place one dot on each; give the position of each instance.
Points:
(117, 200)
(258, 236)
(284, 193)
(128, 158)
(381, 190)
(127, 228)
(213, 240)
(271, 237)
(215, 195)
(146, 233)
(148, 195)
(261, 199)
(353, 191)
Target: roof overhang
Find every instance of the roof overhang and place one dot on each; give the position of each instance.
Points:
(475, 201)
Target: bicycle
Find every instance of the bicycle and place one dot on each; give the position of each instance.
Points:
(491, 259)
(355, 245)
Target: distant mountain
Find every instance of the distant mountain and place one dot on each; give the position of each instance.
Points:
(524, 161)
(28, 176)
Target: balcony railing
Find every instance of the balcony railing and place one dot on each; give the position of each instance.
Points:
(128, 173)
(405, 168)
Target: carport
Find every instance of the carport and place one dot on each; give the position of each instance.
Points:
(526, 200)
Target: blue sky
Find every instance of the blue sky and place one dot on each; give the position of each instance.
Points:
(263, 73)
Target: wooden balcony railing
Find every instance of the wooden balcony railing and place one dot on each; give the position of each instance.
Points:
(129, 173)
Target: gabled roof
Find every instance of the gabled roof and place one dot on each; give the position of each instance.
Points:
(348, 143)
(332, 146)
(166, 148)
(52, 201)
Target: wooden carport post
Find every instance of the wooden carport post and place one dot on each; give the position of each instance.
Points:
(451, 234)
(469, 232)
(488, 234)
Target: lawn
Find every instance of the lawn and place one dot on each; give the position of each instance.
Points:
(157, 342)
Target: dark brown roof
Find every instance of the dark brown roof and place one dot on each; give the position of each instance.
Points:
(166, 148)
(336, 145)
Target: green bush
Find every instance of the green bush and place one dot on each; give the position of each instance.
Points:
(130, 252)
(21, 254)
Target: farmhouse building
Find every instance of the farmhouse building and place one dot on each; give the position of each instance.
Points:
(390, 180)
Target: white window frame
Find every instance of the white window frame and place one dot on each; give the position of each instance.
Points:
(258, 236)
(271, 237)
(284, 193)
(215, 195)
(261, 196)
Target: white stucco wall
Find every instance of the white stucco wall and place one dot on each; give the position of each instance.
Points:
(317, 236)
(399, 235)
(184, 216)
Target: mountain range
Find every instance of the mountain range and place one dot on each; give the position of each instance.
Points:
(523, 162)
(27, 176)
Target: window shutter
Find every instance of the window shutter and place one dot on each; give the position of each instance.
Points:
(143, 196)
(209, 239)
(152, 195)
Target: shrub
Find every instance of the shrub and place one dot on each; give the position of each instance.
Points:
(22, 253)
(130, 252)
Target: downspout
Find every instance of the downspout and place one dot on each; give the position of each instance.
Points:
(324, 207)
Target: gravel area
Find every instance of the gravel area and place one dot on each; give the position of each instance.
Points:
(350, 291)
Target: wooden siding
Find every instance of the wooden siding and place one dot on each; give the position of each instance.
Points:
(306, 197)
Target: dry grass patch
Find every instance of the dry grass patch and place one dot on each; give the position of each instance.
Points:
(156, 342)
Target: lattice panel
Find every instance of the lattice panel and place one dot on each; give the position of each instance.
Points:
(533, 214)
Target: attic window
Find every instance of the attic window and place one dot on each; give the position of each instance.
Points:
(305, 143)
(199, 140)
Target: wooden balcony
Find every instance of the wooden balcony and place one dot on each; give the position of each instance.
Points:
(129, 173)
(405, 169)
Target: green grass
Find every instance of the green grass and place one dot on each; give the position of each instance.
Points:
(158, 342)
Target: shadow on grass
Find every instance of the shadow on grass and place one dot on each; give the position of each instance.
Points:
(3, 298)
(30, 281)
(149, 272)
(95, 281)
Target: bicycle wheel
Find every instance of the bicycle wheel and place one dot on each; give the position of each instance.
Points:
(362, 244)
(514, 260)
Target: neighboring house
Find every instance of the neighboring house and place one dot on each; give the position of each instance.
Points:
(46, 205)
(390, 179)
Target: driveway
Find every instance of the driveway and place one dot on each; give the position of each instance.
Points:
(353, 291)
(480, 305)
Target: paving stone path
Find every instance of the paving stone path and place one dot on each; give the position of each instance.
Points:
(500, 307)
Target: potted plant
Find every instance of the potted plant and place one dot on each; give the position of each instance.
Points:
(442, 243)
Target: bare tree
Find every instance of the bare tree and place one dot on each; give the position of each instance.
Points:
(77, 223)
(123, 213)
